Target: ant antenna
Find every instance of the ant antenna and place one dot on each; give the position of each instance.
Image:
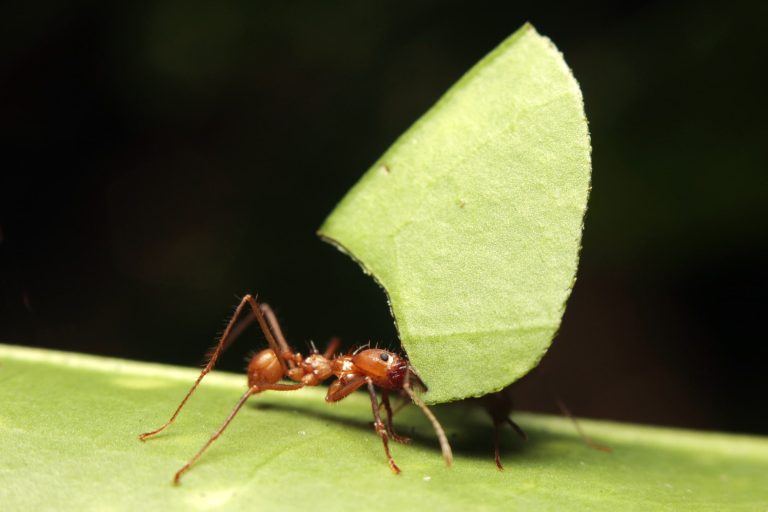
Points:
(584, 437)
(567, 413)
(444, 445)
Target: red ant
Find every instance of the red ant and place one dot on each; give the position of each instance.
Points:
(369, 367)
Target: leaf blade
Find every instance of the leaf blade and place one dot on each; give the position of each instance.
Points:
(471, 221)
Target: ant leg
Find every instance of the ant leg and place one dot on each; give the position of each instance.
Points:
(265, 310)
(381, 429)
(239, 329)
(251, 391)
(584, 437)
(390, 428)
(519, 431)
(496, 446)
(213, 357)
(496, 443)
(499, 406)
(341, 388)
(332, 347)
(273, 324)
(273, 333)
(444, 445)
(400, 406)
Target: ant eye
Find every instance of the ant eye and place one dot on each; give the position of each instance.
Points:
(384, 356)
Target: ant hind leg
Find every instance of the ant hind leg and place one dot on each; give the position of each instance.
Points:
(224, 341)
(251, 391)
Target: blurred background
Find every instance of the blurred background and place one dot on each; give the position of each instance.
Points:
(161, 159)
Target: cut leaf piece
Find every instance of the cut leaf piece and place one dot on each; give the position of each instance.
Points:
(472, 220)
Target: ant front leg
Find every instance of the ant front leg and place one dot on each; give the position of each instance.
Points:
(346, 385)
(390, 428)
(381, 429)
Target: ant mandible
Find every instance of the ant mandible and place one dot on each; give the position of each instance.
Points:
(367, 367)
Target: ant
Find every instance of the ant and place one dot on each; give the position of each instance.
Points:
(371, 367)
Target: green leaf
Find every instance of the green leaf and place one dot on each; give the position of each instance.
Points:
(68, 441)
(472, 220)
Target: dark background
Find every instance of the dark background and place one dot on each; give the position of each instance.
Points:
(161, 158)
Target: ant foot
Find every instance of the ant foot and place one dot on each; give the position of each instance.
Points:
(399, 439)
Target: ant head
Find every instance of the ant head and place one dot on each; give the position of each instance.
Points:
(386, 368)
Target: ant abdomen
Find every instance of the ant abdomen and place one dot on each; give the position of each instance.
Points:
(264, 368)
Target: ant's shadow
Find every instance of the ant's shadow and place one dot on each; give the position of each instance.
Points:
(470, 431)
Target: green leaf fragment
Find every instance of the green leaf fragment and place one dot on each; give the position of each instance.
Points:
(472, 220)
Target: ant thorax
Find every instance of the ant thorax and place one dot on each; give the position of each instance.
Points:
(342, 365)
(317, 368)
